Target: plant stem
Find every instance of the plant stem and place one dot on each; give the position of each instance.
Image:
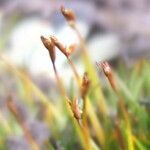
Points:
(83, 125)
(74, 70)
(11, 106)
(59, 82)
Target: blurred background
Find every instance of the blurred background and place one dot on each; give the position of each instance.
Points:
(114, 30)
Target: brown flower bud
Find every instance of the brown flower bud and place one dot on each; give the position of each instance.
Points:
(48, 43)
(109, 74)
(68, 14)
(75, 109)
(85, 85)
(106, 69)
(59, 45)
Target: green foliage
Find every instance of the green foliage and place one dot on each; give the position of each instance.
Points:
(133, 124)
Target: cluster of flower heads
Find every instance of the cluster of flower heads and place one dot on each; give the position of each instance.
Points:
(52, 43)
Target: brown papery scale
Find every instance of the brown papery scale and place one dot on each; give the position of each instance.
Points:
(75, 109)
(109, 74)
(106, 69)
(59, 45)
(85, 85)
(48, 43)
(68, 14)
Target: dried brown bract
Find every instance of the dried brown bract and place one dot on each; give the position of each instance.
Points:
(106, 69)
(75, 109)
(109, 74)
(68, 14)
(59, 45)
(48, 43)
(85, 85)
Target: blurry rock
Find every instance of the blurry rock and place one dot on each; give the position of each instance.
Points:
(138, 46)
(8, 84)
(67, 35)
(45, 83)
(23, 110)
(17, 143)
(102, 47)
(26, 47)
(39, 131)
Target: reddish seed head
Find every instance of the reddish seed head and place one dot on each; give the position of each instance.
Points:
(48, 43)
(85, 80)
(75, 108)
(68, 14)
(109, 74)
(106, 68)
(59, 45)
(85, 85)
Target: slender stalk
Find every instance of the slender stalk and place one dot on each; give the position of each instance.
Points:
(89, 66)
(59, 82)
(83, 125)
(121, 106)
(84, 130)
(85, 111)
(74, 70)
(27, 133)
(119, 134)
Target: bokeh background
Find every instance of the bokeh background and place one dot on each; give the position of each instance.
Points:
(114, 30)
